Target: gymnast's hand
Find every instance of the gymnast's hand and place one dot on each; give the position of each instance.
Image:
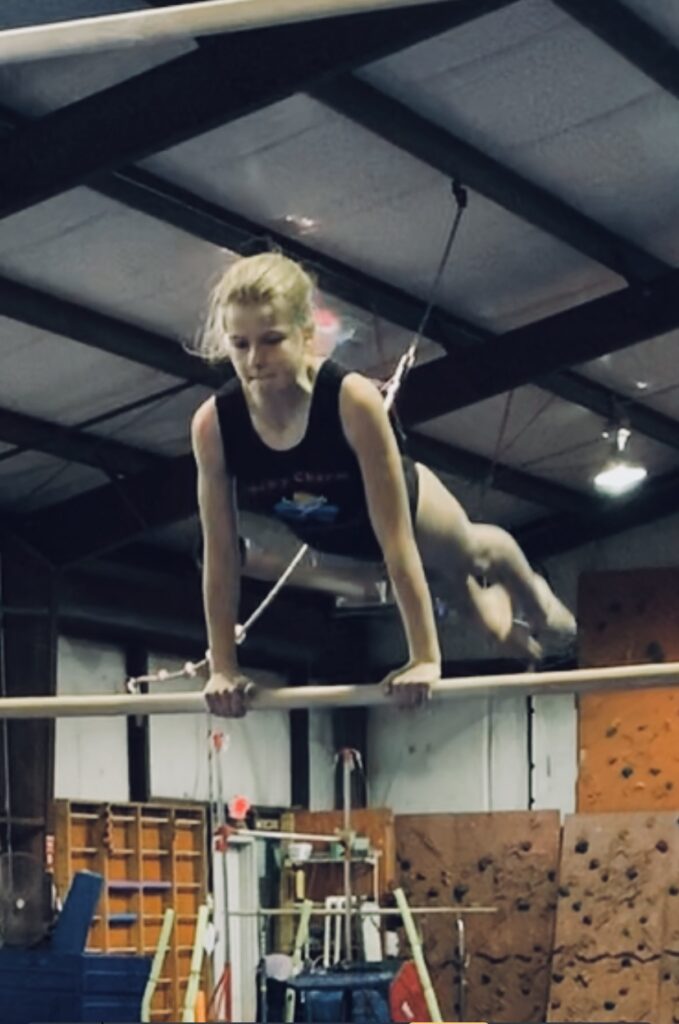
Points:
(411, 686)
(228, 695)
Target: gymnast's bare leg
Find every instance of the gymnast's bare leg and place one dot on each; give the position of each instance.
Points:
(463, 551)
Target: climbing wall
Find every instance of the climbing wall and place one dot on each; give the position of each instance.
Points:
(508, 861)
(629, 739)
(616, 948)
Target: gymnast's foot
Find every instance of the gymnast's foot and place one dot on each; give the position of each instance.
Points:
(523, 644)
(559, 627)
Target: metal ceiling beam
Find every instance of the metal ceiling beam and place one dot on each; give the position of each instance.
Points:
(153, 196)
(631, 36)
(91, 524)
(656, 499)
(174, 205)
(97, 521)
(219, 82)
(612, 406)
(68, 443)
(529, 353)
(627, 342)
(445, 152)
(59, 316)
(447, 458)
(49, 313)
(191, 213)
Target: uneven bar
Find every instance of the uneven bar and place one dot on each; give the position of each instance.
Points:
(583, 680)
(184, 21)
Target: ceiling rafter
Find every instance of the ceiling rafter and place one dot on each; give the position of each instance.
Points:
(150, 194)
(230, 77)
(621, 517)
(29, 305)
(102, 519)
(174, 205)
(53, 314)
(153, 350)
(73, 445)
(527, 354)
(614, 406)
(447, 458)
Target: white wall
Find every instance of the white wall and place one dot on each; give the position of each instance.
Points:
(90, 753)
(467, 755)
(555, 752)
(254, 763)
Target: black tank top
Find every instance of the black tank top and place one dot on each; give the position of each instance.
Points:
(316, 487)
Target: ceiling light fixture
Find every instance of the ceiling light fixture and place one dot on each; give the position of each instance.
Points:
(619, 475)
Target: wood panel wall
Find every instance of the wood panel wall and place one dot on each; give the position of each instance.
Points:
(629, 739)
(507, 860)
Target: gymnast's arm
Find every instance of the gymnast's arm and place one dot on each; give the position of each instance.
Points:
(227, 688)
(370, 434)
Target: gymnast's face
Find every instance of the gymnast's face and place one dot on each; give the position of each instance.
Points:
(268, 352)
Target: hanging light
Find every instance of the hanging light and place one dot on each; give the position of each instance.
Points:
(619, 475)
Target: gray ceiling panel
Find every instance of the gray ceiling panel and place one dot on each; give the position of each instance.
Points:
(525, 74)
(56, 379)
(95, 252)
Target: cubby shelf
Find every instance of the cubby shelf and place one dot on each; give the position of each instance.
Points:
(151, 856)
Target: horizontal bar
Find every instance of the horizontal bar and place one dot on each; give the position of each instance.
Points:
(312, 837)
(361, 911)
(582, 680)
(183, 21)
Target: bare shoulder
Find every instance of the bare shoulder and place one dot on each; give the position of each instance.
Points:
(364, 418)
(360, 397)
(205, 435)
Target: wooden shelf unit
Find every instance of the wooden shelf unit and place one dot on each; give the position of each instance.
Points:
(151, 856)
(372, 876)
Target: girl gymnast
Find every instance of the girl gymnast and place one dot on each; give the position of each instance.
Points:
(300, 439)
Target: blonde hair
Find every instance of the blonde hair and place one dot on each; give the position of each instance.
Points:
(252, 281)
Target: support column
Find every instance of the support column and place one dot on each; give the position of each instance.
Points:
(138, 763)
(28, 667)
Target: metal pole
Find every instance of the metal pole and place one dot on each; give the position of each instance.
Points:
(312, 837)
(320, 910)
(347, 768)
(463, 964)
